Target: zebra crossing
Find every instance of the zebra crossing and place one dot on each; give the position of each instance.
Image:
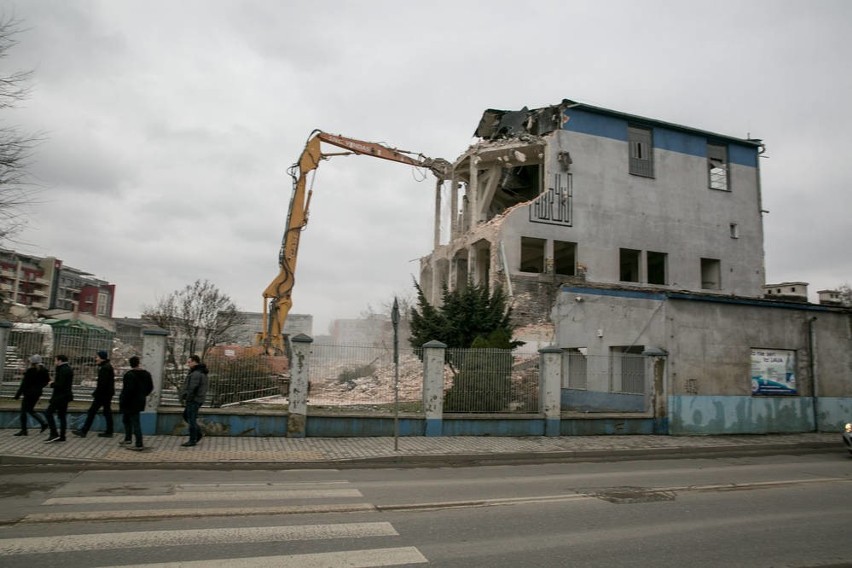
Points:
(212, 518)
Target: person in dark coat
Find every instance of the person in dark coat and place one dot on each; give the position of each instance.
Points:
(136, 385)
(192, 395)
(63, 393)
(101, 397)
(35, 379)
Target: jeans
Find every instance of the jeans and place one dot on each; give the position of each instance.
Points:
(132, 426)
(190, 414)
(61, 410)
(93, 411)
(28, 407)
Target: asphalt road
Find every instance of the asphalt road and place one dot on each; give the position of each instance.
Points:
(759, 511)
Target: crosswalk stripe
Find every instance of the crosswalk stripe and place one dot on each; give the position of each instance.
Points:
(215, 496)
(346, 559)
(160, 538)
(206, 487)
(54, 517)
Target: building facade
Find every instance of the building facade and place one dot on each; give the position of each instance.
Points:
(575, 193)
(42, 284)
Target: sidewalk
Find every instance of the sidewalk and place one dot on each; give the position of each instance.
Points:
(166, 451)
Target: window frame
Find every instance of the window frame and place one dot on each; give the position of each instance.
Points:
(640, 151)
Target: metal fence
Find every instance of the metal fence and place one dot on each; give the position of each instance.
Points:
(491, 381)
(363, 377)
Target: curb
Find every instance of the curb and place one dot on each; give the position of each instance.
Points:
(440, 460)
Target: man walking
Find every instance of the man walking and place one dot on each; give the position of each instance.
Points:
(192, 396)
(63, 382)
(36, 377)
(136, 385)
(101, 397)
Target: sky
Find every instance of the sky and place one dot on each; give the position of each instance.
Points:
(169, 126)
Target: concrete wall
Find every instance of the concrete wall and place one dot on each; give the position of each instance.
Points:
(709, 340)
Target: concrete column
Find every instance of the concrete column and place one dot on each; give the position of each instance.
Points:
(154, 361)
(300, 347)
(437, 229)
(433, 386)
(5, 329)
(454, 209)
(473, 193)
(550, 389)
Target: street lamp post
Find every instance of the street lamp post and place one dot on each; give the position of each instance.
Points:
(395, 321)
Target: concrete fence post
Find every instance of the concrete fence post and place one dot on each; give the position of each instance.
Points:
(300, 346)
(5, 330)
(550, 389)
(433, 386)
(154, 361)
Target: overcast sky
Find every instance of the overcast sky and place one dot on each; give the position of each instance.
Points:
(170, 125)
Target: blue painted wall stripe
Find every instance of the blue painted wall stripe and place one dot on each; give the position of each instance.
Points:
(681, 141)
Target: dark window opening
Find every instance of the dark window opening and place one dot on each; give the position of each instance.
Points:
(565, 258)
(532, 255)
(656, 262)
(711, 274)
(628, 265)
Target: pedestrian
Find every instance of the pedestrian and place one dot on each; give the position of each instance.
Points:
(192, 396)
(136, 385)
(101, 397)
(36, 377)
(63, 384)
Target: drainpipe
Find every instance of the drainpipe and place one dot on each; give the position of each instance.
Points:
(813, 369)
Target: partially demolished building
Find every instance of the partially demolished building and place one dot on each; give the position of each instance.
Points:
(576, 193)
(639, 243)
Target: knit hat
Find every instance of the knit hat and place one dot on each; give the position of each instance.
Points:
(35, 359)
(103, 355)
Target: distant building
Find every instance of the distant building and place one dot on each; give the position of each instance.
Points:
(245, 333)
(43, 284)
(830, 297)
(791, 291)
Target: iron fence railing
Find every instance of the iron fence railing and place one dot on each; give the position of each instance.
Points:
(491, 381)
(363, 377)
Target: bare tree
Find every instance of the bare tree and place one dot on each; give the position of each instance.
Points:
(845, 295)
(16, 189)
(197, 318)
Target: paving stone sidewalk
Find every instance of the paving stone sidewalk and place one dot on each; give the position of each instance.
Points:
(335, 452)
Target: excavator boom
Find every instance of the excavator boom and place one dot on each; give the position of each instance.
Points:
(278, 295)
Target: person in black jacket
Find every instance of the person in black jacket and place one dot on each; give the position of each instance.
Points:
(137, 384)
(101, 397)
(63, 383)
(35, 379)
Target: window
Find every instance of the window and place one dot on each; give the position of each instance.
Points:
(628, 265)
(641, 147)
(656, 265)
(628, 369)
(735, 231)
(532, 255)
(717, 164)
(565, 258)
(711, 274)
(574, 368)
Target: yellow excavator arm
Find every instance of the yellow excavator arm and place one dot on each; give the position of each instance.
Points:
(278, 295)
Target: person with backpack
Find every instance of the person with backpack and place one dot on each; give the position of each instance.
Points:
(137, 384)
(36, 377)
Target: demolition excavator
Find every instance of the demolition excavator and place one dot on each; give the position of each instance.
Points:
(277, 296)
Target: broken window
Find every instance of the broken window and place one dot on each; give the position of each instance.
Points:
(735, 231)
(656, 265)
(717, 164)
(565, 258)
(516, 185)
(711, 274)
(628, 265)
(532, 255)
(640, 142)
